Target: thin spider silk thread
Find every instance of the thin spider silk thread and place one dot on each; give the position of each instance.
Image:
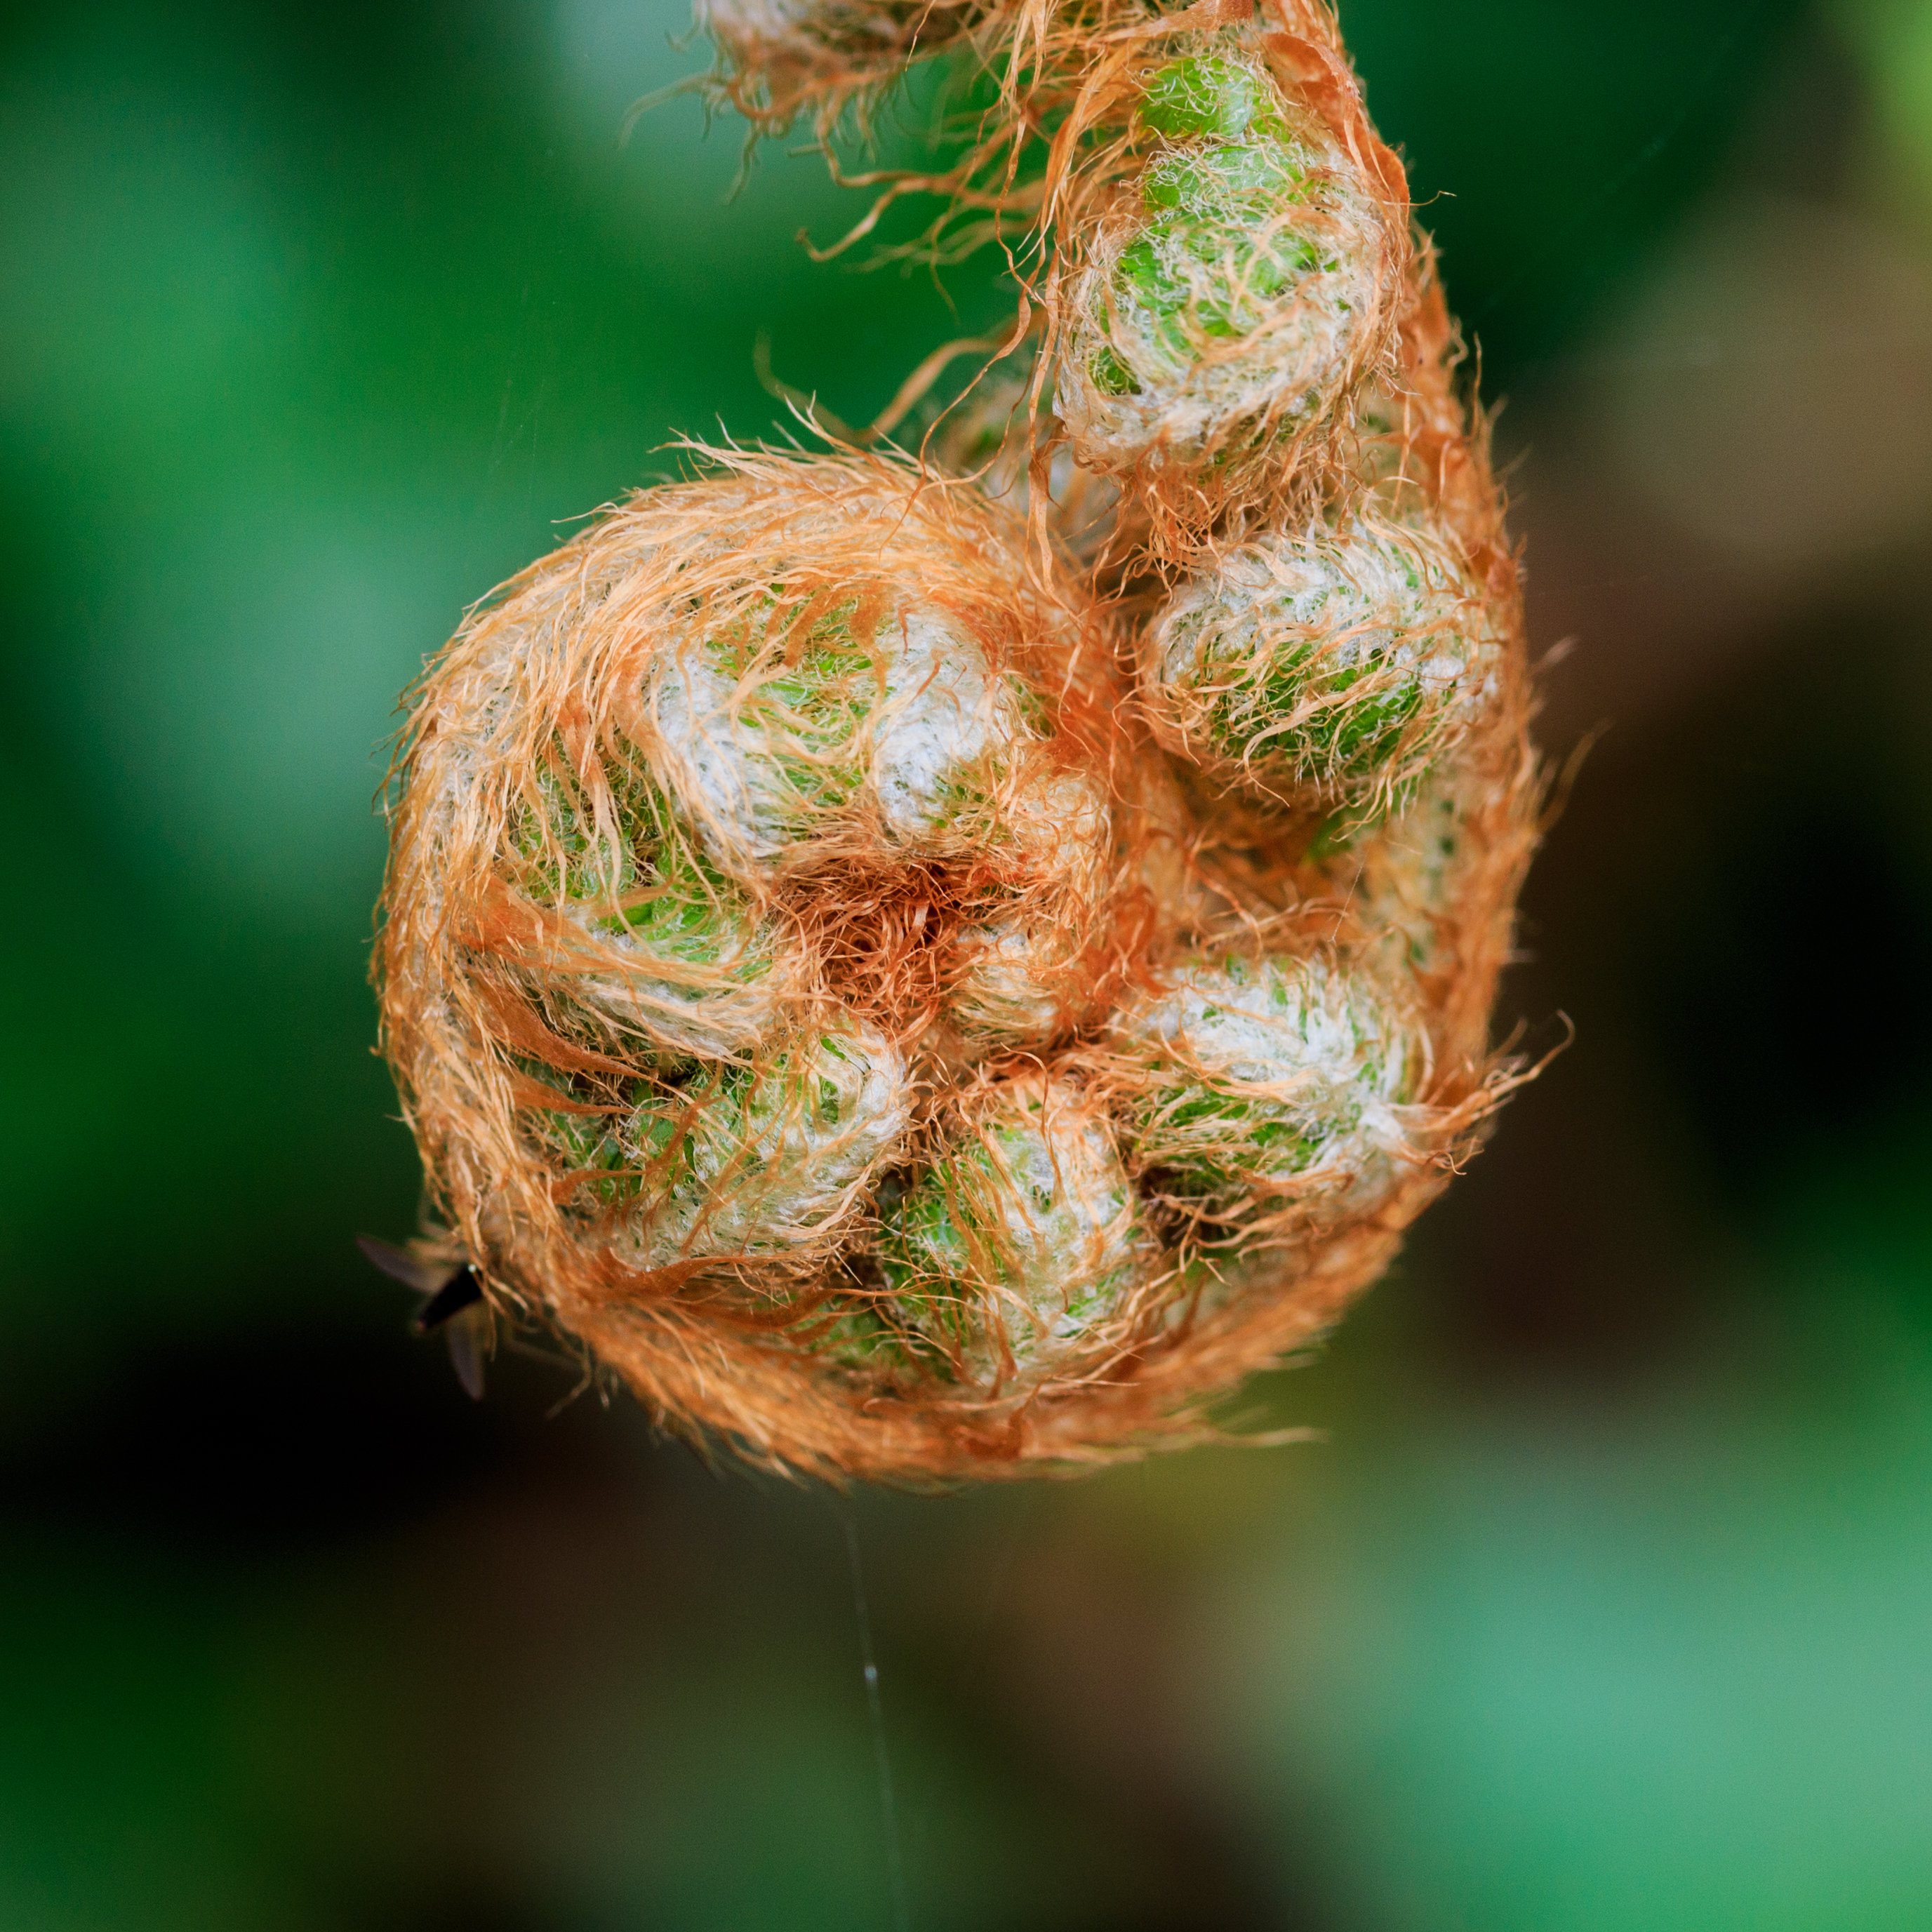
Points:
(875, 1707)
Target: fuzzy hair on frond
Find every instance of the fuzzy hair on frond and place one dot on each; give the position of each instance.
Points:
(1219, 283)
(1329, 666)
(937, 966)
(780, 62)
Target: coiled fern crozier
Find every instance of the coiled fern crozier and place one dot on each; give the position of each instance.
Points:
(936, 960)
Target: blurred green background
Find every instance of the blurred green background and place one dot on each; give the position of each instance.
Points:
(1606, 1603)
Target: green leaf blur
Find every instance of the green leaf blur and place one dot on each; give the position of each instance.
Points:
(1603, 1608)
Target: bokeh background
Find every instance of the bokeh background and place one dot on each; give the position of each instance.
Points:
(1605, 1604)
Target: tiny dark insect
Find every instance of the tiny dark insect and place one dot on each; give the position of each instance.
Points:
(455, 1304)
